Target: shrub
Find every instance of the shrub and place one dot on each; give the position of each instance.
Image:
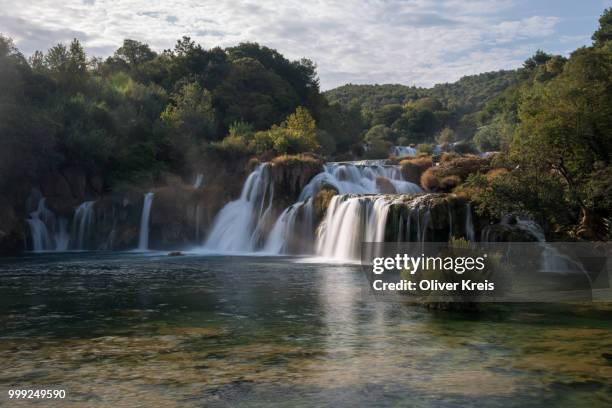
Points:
(263, 142)
(412, 169)
(232, 147)
(465, 147)
(379, 149)
(450, 173)
(448, 183)
(425, 148)
(494, 173)
(429, 180)
(446, 157)
(463, 166)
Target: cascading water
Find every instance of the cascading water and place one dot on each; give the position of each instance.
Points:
(359, 178)
(350, 220)
(143, 239)
(346, 178)
(82, 225)
(47, 232)
(404, 151)
(199, 181)
(551, 259)
(240, 225)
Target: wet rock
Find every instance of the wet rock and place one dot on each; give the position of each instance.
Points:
(385, 186)
(12, 230)
(290, 174)
(322, 200)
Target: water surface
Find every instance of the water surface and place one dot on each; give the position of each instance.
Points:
(152, 330)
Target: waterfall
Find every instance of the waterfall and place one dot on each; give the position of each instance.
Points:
(143, 239)
(199, 181)
(39, 233)
(296, 223)
(47, 232)
(404, 151)
(350, 220)
(82, 225)
(469, 224)
(551, 259)
(240, 225)
(244, 225)
(61, 236)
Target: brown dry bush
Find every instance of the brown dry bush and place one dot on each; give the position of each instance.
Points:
(412, 169)
(494, 173)
(429, 180)
(448, 183)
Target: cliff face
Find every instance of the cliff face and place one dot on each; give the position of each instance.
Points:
(12, 229)
(181, 212)
(437, 217)
(290, 174)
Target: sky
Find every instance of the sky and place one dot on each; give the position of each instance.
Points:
(412, 42)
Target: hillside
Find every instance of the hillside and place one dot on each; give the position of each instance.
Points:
(468, 94)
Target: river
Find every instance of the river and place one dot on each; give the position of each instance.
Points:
(127, 329)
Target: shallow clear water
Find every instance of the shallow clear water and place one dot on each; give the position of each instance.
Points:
(133, 329)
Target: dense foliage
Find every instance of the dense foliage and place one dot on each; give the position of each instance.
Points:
(560, 149)
(414, 115)
(139, 113)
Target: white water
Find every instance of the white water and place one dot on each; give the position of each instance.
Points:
(240, 225)
(359, 178)
(346, 178)
(404, 151)
(551, 259)
(82, 225)
(143, 239)
(199, 181)
(348, 222)
(47, 232)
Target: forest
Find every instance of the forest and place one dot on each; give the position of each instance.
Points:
(139, 114)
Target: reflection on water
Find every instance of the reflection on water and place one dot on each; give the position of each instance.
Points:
(194, 331)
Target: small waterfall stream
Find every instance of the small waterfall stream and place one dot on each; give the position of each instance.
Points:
(47, 232)
(143, 238)
(239, 226)
(404, 151)
(551, 259)
(199, 181)
(82, 225)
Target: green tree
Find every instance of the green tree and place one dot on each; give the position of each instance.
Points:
(604, 32)
(446, 135)
(565, 130)
(387, 115)
(134, 52)
(191, 116)
(379, 132)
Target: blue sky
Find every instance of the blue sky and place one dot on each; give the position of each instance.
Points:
(413, 42)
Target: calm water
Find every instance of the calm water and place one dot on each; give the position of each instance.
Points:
(129, 330)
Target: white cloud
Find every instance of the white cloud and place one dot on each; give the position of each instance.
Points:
(418, 42)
